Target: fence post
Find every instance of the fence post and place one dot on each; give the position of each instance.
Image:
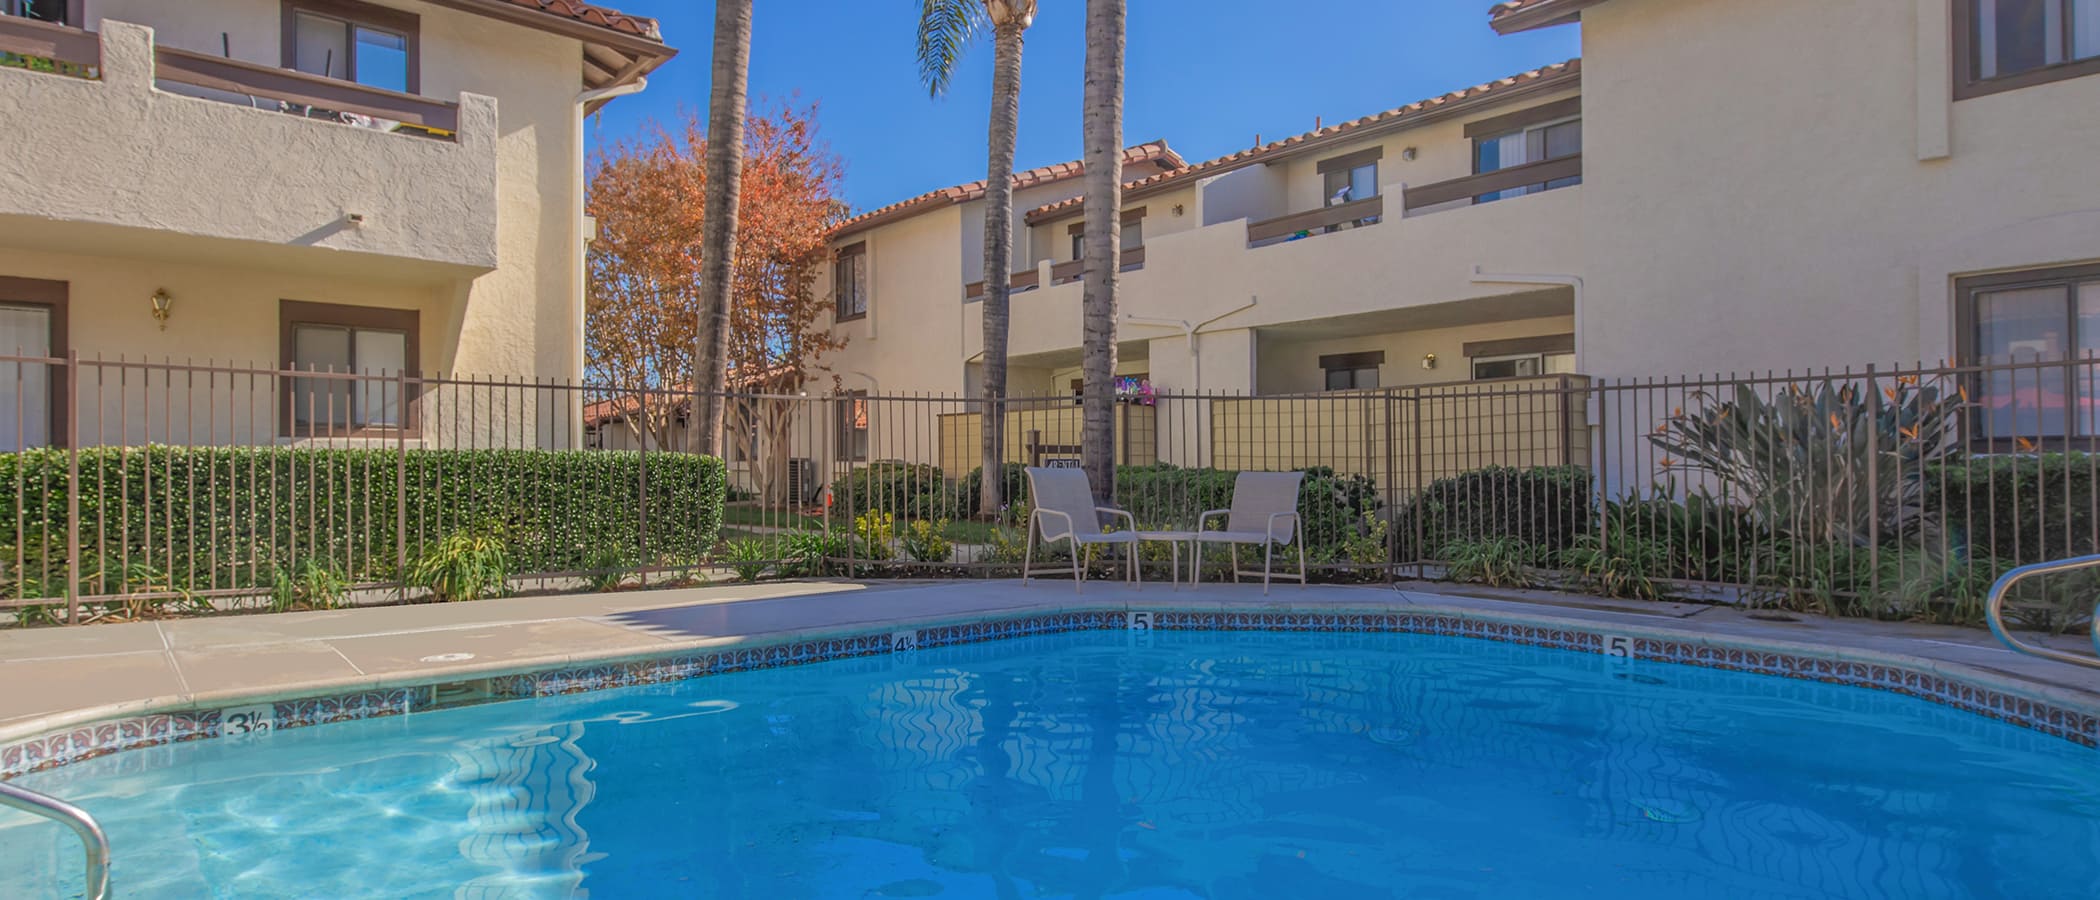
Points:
(1392, 504)
(1414, 425)
(401, 486)
(1874, 491)
(842, 449)
(72, 414)
(1602, 501)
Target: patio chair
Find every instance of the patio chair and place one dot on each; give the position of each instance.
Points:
(1264, 511)
(1064, 511)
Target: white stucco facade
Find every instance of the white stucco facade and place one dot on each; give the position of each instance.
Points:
(131, 183)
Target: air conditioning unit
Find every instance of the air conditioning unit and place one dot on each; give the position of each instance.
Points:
(803, 483)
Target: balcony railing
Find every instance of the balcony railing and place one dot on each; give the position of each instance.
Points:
(1360, 212)
(1061, 273)
(71, 50)
(1484, 183)
(1022, 281)
(76, 51)
(309, 92)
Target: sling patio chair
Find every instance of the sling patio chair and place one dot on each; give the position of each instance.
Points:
(1264, 511)
(1065, 511)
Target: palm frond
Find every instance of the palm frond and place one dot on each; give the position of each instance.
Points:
(946, 27)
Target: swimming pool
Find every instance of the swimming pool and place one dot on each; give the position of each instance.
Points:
(1114, 764)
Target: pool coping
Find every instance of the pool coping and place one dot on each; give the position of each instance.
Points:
(75, 735)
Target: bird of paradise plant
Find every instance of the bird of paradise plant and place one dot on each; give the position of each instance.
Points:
(1830, 461)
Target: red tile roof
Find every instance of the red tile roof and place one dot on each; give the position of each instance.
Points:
(1138, 162)
(600, 16)
(1511, 16)
(1565, 74)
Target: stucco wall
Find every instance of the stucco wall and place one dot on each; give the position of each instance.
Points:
(1756, 196)
(487, 226)
(1289, 365)
(910, 339)
(1199, 274)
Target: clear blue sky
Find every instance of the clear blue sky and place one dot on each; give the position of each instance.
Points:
(1207, 75)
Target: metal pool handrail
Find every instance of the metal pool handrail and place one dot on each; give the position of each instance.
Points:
(1995, 610)
(91, 836)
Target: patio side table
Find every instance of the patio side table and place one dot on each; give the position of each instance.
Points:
(1177, 539)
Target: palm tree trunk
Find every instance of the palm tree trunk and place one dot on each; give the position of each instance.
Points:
(1103, 146)
(999, 253)
(724, 164)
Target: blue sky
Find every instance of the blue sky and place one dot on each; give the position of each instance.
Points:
(1207, 75)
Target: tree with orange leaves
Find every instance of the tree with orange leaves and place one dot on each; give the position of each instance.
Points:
(644, 305)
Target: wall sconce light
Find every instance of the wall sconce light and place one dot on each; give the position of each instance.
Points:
(1177, 209)
(1429, 360)
(1408, 154)
(162, 302)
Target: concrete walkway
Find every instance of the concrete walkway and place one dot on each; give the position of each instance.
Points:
(58, 676)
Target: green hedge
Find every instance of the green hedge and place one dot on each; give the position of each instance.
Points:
(214, 518)
(2024, 509)
(1545, 507)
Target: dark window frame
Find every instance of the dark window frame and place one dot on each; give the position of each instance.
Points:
(74, 15)
(839, 257)
(293, 313)
(1520, 123)
(56, 297)
(1966, 83)
(1966, 322)
(1355, 364)
(850, 449)
(1345, 165)
(380, 18)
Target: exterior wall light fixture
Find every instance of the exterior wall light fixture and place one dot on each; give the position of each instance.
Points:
(162, 302)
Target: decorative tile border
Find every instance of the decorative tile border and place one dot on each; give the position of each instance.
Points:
(71, 745)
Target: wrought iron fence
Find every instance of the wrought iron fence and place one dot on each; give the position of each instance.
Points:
(137, 489)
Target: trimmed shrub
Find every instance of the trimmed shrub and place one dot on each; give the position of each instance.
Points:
(218, 517)
(969, 491)
(2023, 509)
(904, 490)
(1543, 507)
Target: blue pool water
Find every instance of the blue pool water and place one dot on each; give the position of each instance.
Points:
(1106, 764)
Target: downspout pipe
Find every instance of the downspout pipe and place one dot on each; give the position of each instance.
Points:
(583, 236)
(1190, 331)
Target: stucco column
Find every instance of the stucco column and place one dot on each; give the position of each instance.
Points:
(127, 58)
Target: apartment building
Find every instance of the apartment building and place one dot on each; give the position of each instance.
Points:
(1714, 186)
(349, 185)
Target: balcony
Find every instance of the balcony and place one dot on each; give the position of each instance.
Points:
(1388, 263)
(1474, 187)
(1060, 273)
(1354, 214)
(135, 135)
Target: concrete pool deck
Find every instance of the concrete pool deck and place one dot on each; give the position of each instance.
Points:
(76, 675)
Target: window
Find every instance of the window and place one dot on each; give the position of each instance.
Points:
(1552, 354)
(57, 12)
(2005, 44)
(1350, 177)
(1536, 143)
(1523, 366)
(370, 45)
(2030, 317)
(1131, 235)
(853, 425)
(32, 325)
(849, 282)
(359, 340)
(1352, 371)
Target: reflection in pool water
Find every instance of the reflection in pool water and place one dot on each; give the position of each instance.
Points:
(1103, 764)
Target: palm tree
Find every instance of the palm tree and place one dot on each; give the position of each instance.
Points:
(724, 166)
(945, 28)
(1103, 157)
